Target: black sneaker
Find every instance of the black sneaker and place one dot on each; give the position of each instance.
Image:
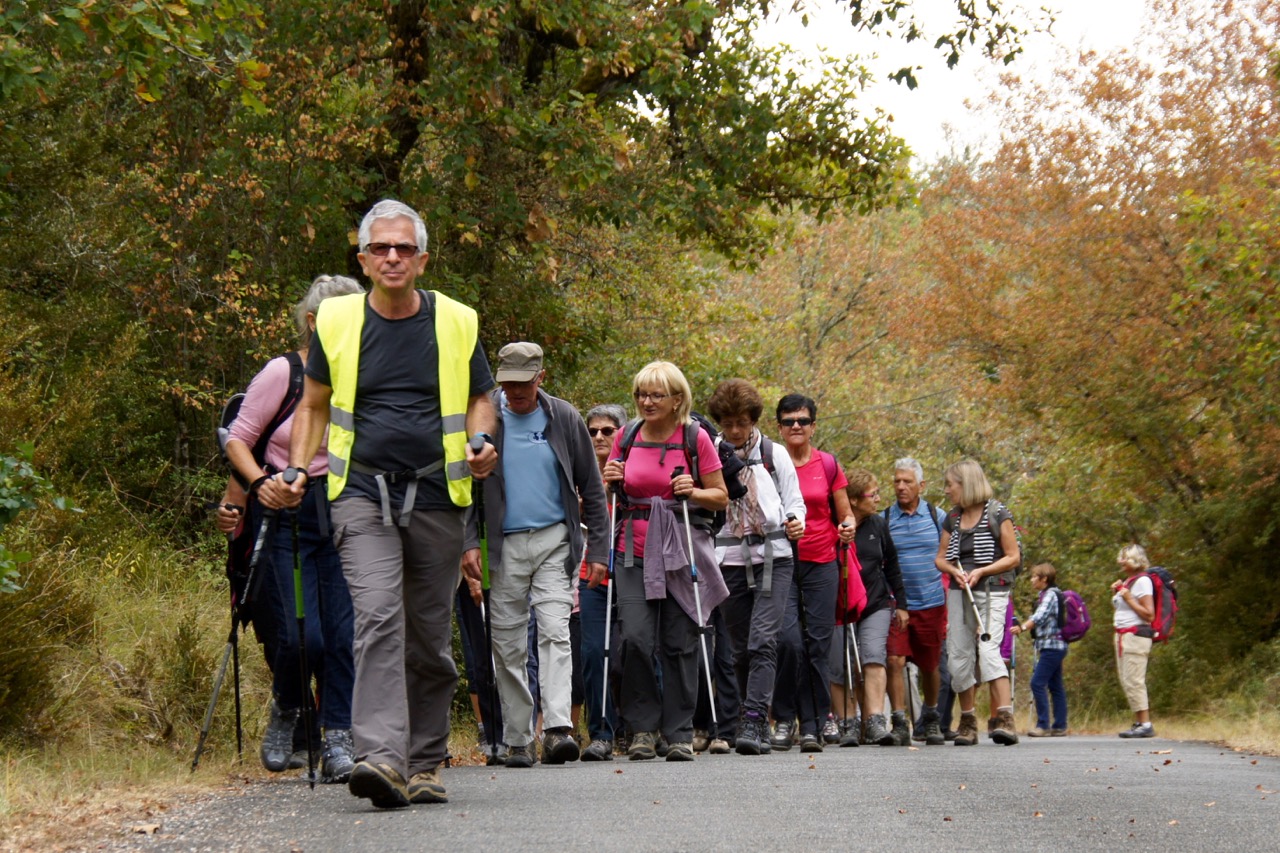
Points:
(558, 746)
(899, 732)
(933, 735)
(810, 743)
(750, 734)
(783, 736)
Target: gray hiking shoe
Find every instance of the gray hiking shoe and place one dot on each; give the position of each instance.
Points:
(643, 747)
(751, 733)
(338, 758)
(680, 752)
(598, 750)
(521, 756)
(783, 736)
(810, 743)
(851, 732)
(831, 730)
(1139, 730)
(898, 730)
(877, 731)
(277, 743)
(933, 735)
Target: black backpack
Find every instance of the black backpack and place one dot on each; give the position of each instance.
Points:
(231, 410)
(729, 461)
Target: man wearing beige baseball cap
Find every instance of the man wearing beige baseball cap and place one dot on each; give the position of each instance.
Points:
(546, 466)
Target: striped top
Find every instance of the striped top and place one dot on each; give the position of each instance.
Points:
(975, 547)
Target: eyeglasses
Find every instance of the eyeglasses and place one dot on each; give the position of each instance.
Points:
(605, 431)
(790, 422)
(652, 398)
(381, 250)
(874, 494)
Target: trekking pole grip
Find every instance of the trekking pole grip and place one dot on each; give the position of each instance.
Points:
(676, 473)
(477, 442)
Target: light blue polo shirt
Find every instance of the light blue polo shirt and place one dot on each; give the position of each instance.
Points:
(530, 480)
(916, 538)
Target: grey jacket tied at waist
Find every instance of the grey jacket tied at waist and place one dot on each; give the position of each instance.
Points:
(666, 562)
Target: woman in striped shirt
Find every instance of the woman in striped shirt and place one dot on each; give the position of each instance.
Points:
(979, 550)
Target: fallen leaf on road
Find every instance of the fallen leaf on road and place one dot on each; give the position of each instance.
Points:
(1255, 761)
(1173, 823)
(913, 749)
(1162, 752)
(153, 828)
(1265, 791)
(1210, 805)
(962, 787)
(655, 802)
(1168, 761)
(1034, 785)
(902, 811)
(947, 818)
(1047, 761)
(1038, 814)
(618, 771)
(1092, 770)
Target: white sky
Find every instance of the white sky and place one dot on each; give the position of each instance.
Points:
(933, 118)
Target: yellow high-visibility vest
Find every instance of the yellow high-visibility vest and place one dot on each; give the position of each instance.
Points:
(339, 323)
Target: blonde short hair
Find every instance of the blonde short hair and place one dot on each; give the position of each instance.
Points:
(1135, 556)
(975, 489)
(665, 375)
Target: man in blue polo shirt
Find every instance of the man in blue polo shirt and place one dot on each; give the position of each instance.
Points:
(916, 526)
(546, 464)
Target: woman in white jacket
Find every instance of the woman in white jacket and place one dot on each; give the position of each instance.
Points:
(755, 553)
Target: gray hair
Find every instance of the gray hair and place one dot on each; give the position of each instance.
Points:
(609, 411)
(1135, 556)
(391, 209)
(907, 463)
(322, 287)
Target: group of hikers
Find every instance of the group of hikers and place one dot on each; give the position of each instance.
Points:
(692, 589)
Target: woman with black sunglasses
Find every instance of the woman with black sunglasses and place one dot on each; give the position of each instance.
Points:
(603, 422)
(803, 678)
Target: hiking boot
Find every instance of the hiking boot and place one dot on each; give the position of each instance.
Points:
(701, 739)
(299, 759)
(877, 731)
(750, 734)
(967, 734)
(950, 735)
(598, 750)
(851, 732)
(933, 735)
(277, 743)
(1005, 732)
(719, 746)
(900, 734)
(643, 747)
(831, 730)
(1139, 730)
(558, 746)
(338, 758)
(1063, 732)
(810, 743)
(1038, 732)
(380, 784)
(661, 746)
(783, 736)
(426, 787)
(680, 752)
(991, 727)
(521, 756)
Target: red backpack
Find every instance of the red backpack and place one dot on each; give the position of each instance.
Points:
(1164, 597)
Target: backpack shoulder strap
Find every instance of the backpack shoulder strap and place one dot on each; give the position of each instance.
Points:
(829, 467)
(933, 516)
(292, 396)
(766, 459)
(629, 434)
(691, 431)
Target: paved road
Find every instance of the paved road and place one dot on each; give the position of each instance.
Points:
(1077, 793)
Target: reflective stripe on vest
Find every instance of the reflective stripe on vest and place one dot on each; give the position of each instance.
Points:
(339, 324)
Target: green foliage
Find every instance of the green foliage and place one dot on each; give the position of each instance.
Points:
(20, 486)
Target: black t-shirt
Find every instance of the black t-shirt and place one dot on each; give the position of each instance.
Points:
(397, 406)
(879, 558)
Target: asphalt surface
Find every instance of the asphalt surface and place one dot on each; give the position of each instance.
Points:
(1067, 794)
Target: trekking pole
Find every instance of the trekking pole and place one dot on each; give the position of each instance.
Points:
(232, 649)
(983, 634)
(683, 500)
(804, 626)
(608, 609)
(477, 491)
(300, 612)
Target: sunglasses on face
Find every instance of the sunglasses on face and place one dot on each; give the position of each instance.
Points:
(605, 431)
(381, 250)
(790, 422)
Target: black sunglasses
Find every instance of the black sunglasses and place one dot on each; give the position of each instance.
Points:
(381, 250)
(790, 422)
(605, 431)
